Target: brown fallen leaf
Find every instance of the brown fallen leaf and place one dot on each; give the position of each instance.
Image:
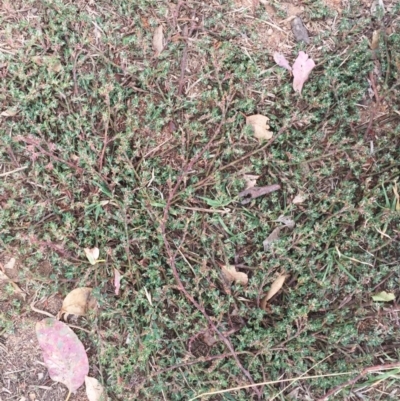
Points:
(230, 275)
(255, 192)
(260, 126)
(275, 287)
(158, 41)
(78, 302)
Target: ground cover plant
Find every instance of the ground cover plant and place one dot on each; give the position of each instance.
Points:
(129, 127)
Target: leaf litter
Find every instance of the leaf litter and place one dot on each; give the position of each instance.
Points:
(5, 279)
(63, 353)
(94, 389)
(275, 288)
(255, 192)
(230, 275)
(384, 296)
(260, 126)
(250, 180)
(299, 30)
(275, 233)
(78, 302)
(158, 41)
(301, 69)
(281, 60)
(92, 254)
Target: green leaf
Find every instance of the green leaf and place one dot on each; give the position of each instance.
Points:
(383, 296)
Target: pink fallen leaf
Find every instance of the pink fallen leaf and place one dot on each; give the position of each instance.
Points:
(302, 68)
(281, 61)
(117, 281)
(63, 353)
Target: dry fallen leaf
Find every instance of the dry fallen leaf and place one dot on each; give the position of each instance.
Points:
(63, 353)
(255, 192)
(260, 126)
(117, 281)
(6, 279)
(286, 221)
(250, 180)
(94, 390)
(281, 61)
(302, 68)
(275, 287)
(158, 41)
(231, 275)
(375, 40)
(209, 338)
(78, 302)
(9, 113)
(10, 264)
(299, 198)
(384, 296)
(299, 31)
(271, 238)
(92, 254)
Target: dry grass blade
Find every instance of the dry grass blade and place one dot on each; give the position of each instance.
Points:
(158, 41)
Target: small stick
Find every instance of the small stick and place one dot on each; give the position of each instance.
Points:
(12, 171)
(365, 371)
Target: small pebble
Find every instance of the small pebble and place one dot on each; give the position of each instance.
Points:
(270, 31)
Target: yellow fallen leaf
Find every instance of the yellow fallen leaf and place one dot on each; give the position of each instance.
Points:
(231, 275)
(384, 296)
(78, 302)
(275, 287)
(260, 126)
(158, 41)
